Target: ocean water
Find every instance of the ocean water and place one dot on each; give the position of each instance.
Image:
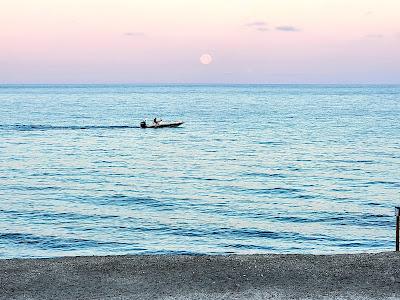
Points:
(254, 169)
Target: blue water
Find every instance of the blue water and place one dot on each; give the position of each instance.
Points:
(255, 169)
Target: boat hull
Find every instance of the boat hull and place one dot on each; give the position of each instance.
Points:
(163, 125)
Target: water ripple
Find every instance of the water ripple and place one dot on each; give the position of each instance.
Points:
(257, 168)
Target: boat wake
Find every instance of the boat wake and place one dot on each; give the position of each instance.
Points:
(21, 127)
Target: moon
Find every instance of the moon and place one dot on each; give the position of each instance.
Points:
(206, 59)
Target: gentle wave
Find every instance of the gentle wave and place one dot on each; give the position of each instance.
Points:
(53, 241)
(298, 169)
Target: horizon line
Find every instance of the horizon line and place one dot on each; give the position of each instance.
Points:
(193, 83)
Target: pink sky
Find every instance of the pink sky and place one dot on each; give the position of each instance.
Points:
(161, 41)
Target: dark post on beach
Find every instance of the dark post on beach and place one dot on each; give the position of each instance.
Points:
(397, 227)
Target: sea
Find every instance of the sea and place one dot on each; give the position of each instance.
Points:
(254, 169)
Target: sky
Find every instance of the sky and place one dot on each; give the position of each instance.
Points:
(193, 41)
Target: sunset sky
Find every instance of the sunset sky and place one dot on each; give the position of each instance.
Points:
(162, 41)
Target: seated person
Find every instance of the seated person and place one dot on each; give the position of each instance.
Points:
(156, 122)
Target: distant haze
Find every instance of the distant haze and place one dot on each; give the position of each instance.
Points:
(161, 41)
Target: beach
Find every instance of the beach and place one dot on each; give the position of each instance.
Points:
(269, 276)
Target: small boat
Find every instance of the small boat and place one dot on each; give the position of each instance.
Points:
(161, 124)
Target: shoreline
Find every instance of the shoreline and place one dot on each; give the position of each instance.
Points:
(258, 276)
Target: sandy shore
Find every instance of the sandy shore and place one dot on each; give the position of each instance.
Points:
(356, 276)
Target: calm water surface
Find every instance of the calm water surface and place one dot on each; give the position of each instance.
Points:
(255, 169)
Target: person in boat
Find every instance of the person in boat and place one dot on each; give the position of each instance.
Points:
(156, 122)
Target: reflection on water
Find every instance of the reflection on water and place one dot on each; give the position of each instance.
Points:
(255, 169)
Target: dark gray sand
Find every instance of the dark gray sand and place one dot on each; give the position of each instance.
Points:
(356, 276)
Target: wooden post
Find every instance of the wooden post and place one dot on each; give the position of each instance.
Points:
(397, 227)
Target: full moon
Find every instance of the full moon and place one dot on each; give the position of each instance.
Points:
(206, 59)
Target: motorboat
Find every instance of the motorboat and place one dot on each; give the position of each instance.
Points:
(161, 124)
